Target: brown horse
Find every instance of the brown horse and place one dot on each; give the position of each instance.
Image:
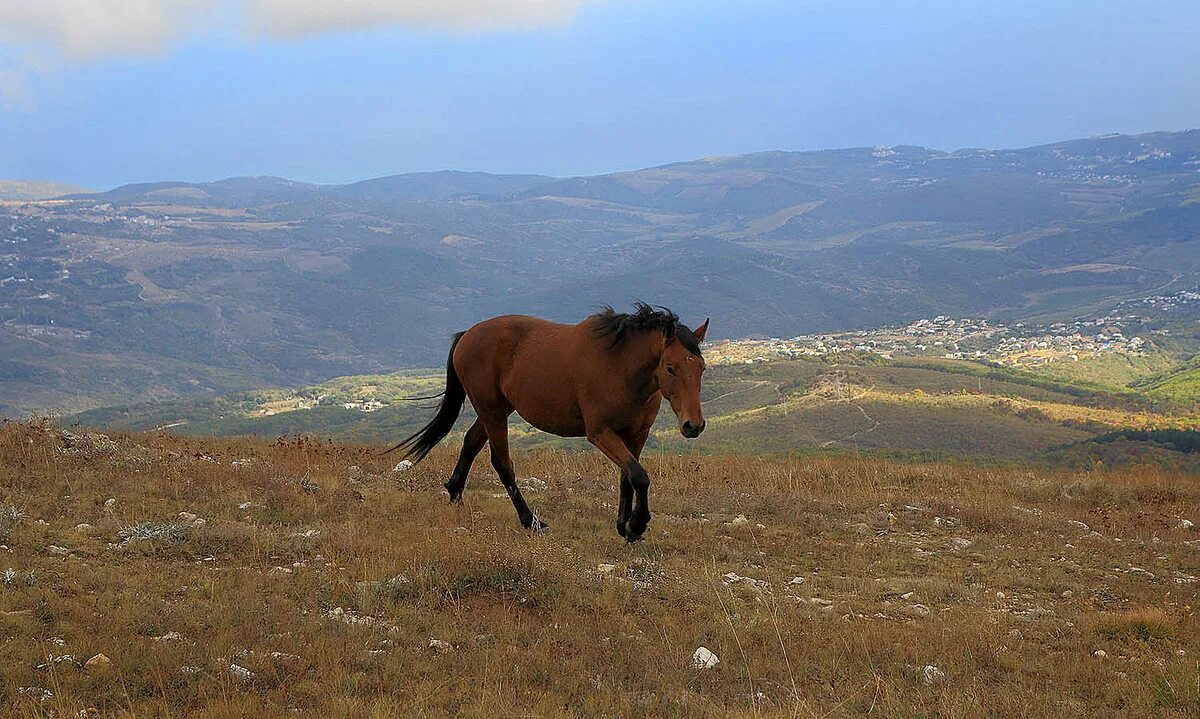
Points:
(603, 379)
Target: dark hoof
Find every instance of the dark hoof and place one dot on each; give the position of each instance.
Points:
(454, 492)
(636, 528)
(621, 527)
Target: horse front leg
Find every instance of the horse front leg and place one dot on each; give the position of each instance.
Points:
(635, 443)
(624, 504)
(635, 484)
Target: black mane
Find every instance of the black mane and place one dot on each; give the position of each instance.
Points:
(618, 325)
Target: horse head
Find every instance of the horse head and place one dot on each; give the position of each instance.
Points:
(679, 371)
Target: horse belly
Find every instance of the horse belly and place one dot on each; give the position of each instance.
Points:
(545, 398)
(556, 425)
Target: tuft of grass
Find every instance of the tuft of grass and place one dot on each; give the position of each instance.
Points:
(1143, 624)
(155, 532)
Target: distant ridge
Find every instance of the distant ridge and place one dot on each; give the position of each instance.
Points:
(36, 189)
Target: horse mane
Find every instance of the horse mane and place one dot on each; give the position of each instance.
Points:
(644, 318)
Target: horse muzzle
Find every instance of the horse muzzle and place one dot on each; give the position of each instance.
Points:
(692, 430)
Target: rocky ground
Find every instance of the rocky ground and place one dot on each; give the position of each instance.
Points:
(151, 575)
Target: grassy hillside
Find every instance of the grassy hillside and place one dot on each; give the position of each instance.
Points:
(232, 578)
(926, 406)
(1179, 384)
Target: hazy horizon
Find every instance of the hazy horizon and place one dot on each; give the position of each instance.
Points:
(99, 98)
(618, 170)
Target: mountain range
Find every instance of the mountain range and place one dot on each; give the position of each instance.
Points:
(153, 291)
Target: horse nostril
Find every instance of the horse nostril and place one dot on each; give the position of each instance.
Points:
(700, 429)
(690, 430)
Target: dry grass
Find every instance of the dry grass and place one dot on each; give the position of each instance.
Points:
(1009, 599)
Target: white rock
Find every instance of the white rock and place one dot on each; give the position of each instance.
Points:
(240, 463)
(1078, 525)
(242, 674)
(284, 656)
(796, 580)
(960, 542)
(738, 521)
(58, 551)
(110, 503)
(704, 658)
(402, 466)
(1185, 524)
(187, 516)
(245, 505)
(606, 568)
(440, 645)
(1099, 654)
(920, 610)
(83, 527)
(932, 675)
(533, 484)
(945, 522)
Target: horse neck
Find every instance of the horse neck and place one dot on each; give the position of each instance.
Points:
(640, 360)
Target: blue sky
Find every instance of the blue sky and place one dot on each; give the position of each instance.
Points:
(253, 87)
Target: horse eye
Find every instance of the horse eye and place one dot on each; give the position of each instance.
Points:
(670, 369)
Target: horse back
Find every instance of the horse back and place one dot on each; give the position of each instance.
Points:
(527, 364)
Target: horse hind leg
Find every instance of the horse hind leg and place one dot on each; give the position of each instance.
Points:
(472, 444)
(497, 434)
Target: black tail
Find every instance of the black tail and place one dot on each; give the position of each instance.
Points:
(418, 445)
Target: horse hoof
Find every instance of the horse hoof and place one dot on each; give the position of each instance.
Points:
(621, 528)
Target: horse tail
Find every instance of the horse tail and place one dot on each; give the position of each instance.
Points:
(419, 445)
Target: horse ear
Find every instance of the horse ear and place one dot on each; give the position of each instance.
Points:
(701, 331)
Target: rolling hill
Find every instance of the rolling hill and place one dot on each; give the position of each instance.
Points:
(907, 407)
(158, 291)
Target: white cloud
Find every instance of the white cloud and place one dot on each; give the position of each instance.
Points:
(86, 29)
(89, 29)
(291, 18)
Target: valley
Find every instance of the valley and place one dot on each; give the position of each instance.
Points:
(170, 290)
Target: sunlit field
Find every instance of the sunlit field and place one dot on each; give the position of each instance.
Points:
(233, 578)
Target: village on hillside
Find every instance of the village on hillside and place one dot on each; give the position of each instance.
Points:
(950, 338)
